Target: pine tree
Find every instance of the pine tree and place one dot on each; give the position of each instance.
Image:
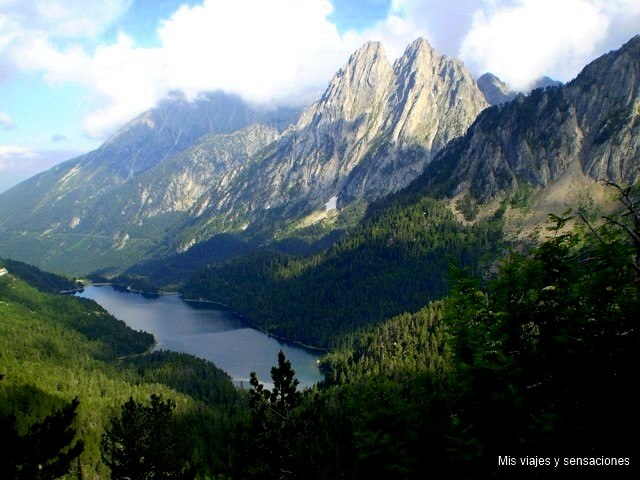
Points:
(46, 451)
(143, 443)
(275, 426)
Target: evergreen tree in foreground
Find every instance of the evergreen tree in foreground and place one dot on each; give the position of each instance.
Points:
(546, 358)
(46, 451)
(143, 442)
(274, 423)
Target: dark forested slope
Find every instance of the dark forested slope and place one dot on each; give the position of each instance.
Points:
(396, 260)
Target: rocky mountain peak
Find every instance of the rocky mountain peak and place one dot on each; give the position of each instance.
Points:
(435, 98)
(495, 90)
(359, 85)
(371, 133)
(370, 53)
(418, 50)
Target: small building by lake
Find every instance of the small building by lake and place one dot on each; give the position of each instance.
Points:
(3, 271)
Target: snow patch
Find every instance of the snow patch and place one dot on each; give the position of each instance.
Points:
(120, 241)
(332, 204)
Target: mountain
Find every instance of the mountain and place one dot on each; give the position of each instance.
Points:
(186, 171)
(113, 205)
(371, 133)
(495, 90)
(513, 161)
(589, 128)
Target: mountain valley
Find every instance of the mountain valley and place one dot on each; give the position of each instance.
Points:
(160, 184)
(465, 257)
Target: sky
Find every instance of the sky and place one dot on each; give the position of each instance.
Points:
(73, 71)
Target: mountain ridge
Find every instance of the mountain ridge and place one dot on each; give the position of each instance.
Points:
(593, 120)
(372, 132)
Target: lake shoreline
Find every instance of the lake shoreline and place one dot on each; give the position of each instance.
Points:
(207, 330)
(211, 302)
(257, 327)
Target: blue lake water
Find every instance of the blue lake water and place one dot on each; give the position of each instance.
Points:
(206, 331)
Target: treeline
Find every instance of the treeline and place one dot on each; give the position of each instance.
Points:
(396, 260)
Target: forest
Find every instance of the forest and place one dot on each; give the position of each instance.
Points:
(395, 260)
(67, 368)
(508, 370)
(500, 377)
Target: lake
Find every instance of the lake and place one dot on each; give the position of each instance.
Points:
(206, 331)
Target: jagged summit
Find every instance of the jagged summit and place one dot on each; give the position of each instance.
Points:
(358, 85)
(434, 95)
(370, 52)
(420, 47)
(371, 133)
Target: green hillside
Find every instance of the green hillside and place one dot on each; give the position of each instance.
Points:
(536, 365)
(54, 348)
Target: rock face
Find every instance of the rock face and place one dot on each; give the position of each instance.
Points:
(372, 132)
(177, 184)
(592, 122)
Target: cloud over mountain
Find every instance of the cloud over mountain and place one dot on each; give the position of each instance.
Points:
(284, 51)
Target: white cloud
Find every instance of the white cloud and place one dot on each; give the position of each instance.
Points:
(525, 39)
(7, 31)
(263, 49)
(444, 24)
(64, 18)
(18, 163)
(6, 122)
(518, 40)
(280, 50)
(16, 151)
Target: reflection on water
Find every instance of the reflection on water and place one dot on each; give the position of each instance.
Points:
(206, 331)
